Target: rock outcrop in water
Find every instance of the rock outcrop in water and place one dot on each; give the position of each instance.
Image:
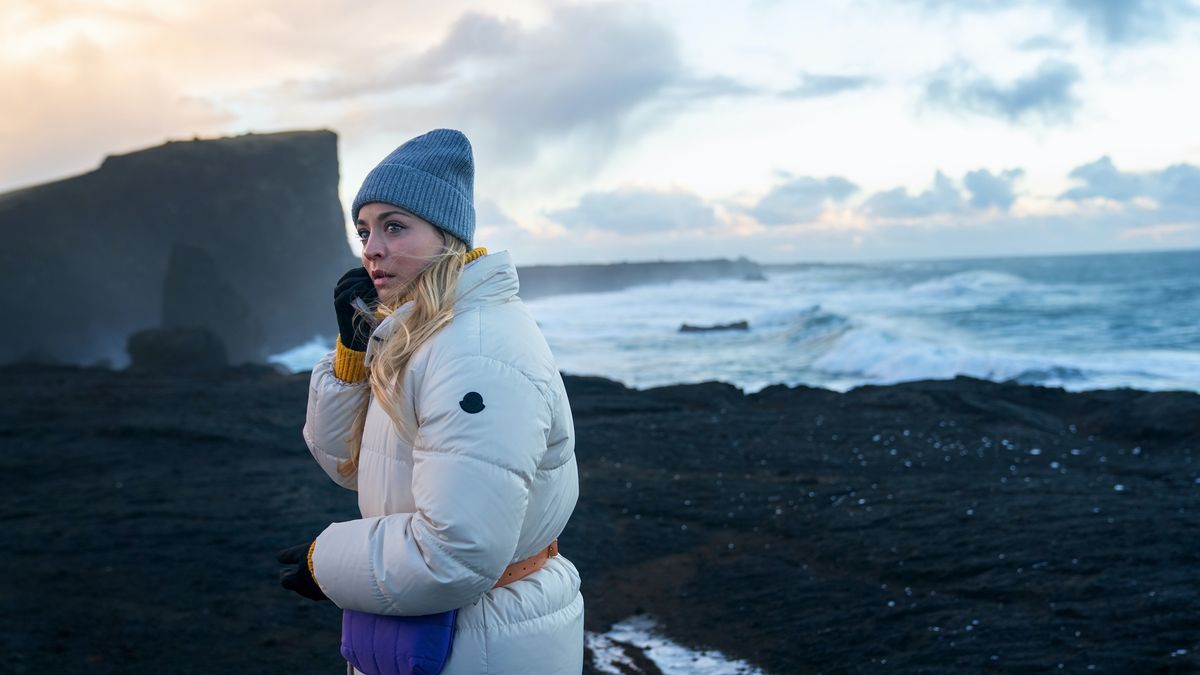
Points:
(736, 325)
(249, 231)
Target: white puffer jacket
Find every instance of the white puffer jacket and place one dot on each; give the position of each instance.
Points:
(471, 491)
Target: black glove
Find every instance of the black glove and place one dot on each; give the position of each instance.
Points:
(298, 578)
(354, 284)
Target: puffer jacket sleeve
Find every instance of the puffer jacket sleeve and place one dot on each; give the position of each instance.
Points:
(332, 408)
(482, 429)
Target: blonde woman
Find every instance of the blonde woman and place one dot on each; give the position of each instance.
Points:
(451, 421)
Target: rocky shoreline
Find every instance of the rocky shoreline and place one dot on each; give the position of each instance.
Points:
(956, 525)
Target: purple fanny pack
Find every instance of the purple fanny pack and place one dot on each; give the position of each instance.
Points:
(378, 644)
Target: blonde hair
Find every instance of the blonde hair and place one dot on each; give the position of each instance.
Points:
(432, 293)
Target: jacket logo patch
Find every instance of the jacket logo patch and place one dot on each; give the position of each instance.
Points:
(472, 402)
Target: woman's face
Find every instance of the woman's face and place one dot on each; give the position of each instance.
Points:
(397, 245)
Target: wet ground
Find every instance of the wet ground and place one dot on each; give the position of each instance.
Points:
(933, 526)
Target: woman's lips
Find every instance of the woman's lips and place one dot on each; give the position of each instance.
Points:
(382, 279)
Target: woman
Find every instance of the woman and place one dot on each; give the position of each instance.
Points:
(451, 421)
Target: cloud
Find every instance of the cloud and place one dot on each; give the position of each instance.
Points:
(547, 94)
(1046, 93)
(473, 38)
(637, 211)
(813, 85)
(800, 199)
(578, 79)
(973, 216)
(1166, 232)
(488, 212)
(1179, 186)
(1176, 188)
(988, 190)
(943, 198)
(1046, 42)
(80, 79)
(711, 87)
(36, 13)
(1130, 21)
(563, 76)
(803, 199)
(196, 45)
(1115, 22)
(66, 118)
(1102, 179)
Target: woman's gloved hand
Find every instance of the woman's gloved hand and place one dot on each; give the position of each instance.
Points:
(296, 576)
(354, 284)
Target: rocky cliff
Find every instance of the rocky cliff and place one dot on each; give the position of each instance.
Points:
(245, 235)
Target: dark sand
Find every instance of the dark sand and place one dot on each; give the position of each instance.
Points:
(909, 528)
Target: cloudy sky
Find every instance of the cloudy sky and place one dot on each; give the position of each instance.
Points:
(782, 131)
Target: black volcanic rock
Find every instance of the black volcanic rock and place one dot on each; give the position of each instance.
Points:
(91, 252)
(924, 527)
(736, 325)
(176, 350)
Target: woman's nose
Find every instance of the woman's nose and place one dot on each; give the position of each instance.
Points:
(372, 248)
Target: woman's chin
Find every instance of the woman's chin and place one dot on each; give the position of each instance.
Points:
(389, 293)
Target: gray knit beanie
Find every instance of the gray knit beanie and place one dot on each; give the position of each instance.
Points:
(430, 175)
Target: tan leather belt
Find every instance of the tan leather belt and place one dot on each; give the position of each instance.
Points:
(523, 568)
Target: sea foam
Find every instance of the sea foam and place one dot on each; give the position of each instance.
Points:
(1077, 322)
(641, 633)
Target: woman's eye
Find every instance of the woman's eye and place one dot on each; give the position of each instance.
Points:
(394, 227)
(363, 234)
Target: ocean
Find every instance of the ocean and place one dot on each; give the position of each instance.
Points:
(1078, 322)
